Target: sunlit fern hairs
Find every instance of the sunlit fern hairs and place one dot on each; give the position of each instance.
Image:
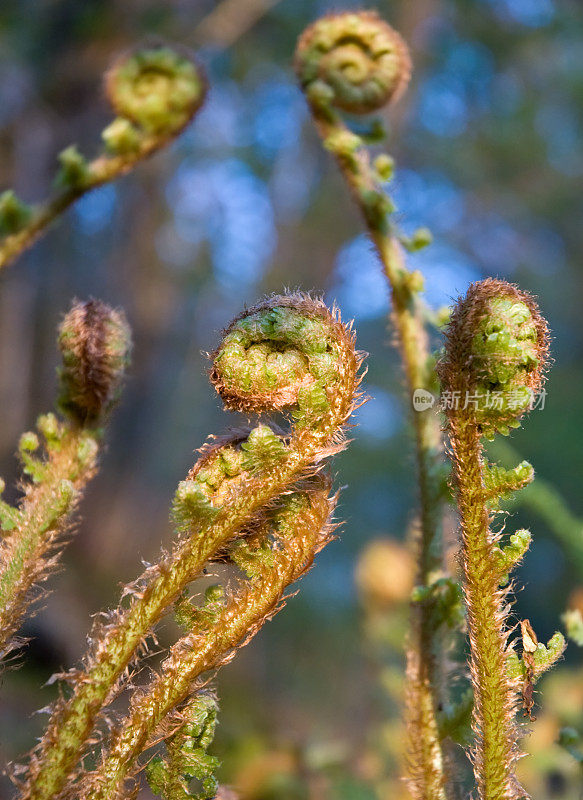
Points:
(260, 498)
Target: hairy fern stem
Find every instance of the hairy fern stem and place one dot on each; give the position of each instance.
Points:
(355, 62)
(493, 366)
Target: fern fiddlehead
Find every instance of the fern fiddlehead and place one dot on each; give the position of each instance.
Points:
(290, 345)
(95, 343)
(155, 91)
(187, 756)
(355, 62)
(496, 352)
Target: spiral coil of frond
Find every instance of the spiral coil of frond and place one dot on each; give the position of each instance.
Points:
(356, 60)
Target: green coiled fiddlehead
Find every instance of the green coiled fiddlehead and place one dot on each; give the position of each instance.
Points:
(95, 343)
(355, 59)
(227, 494)
(155, 91)
(355, 62)
(495, 357)
(187, 756)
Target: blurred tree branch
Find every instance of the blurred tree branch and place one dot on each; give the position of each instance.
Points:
(230, 20)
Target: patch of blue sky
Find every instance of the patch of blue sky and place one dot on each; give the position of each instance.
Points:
(427, 199)
(223, 121)
(291, 183)
(380, 418)
(447, 272)
(507, 92)
(568, 53)
(279, 113)
(474, 64)
(547, 250)
(378, 501)
(360, 288)
(442, 107)
(560, 128)
(473, 60)
(331, 586)
(495, 243)
(461, 87)
(225, 204)
(501, 249)
(96, 209)
(531, 13)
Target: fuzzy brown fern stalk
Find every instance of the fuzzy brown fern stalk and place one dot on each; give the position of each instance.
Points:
(257, 497)
(95, 343)
(279, 552)
(495, 356)
(355, 62)
(155, 91)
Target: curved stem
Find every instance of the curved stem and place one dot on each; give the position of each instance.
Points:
(496, 346)
(61, 747)
(101, 170)
(426, 690)
(201, 650)
(150, 115)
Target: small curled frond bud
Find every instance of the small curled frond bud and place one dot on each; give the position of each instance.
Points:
(95, 343)
(121, 137)
(497, 347)
(74, 170)
(289, 352)
(158, 88)
(500, 482)
(214, 478)
(14, 214)
(353, 61)
(187, 757)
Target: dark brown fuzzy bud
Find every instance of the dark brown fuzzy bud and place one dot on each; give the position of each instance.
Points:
(95, 342)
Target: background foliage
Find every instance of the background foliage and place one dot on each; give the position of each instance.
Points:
(488, 148)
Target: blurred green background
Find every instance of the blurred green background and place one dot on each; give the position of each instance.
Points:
(488, 146)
